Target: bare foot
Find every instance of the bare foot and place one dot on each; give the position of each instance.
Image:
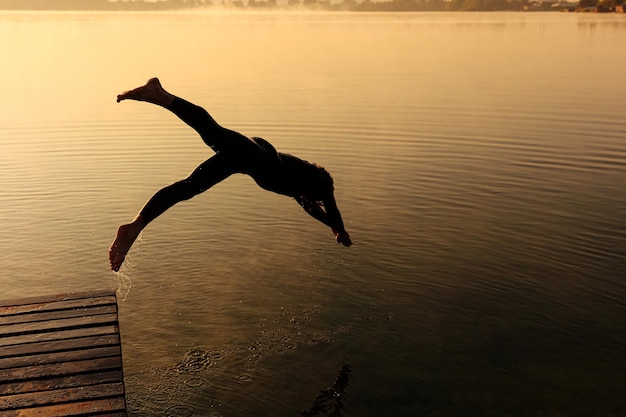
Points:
(152, 92)
(126, 236)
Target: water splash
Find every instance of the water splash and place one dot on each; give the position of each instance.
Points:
(123, 278)
(196, 360)
(123, 283)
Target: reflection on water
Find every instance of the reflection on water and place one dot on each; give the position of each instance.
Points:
(191, 385)
(479, 162)
(330, 401)
(179, 388)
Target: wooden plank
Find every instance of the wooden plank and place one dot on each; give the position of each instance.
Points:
(56, 357)
(60, 345)
(47, 306)
(66, 381)
(56, 325)
(60, 335)
(67, 368)
(33, 399)
(58, 314)
(57, 297)
(61, 356)
(70, 409)
(51, 305)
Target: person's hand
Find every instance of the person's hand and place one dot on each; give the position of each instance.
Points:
(344, 239)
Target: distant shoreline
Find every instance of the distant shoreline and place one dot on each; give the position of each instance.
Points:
(288, 5)
(311, 5)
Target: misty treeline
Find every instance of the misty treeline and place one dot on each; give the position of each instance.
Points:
(336, 5)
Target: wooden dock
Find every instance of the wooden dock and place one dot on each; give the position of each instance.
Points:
(61, 356)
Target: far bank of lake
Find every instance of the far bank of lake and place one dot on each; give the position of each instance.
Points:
(318, 5)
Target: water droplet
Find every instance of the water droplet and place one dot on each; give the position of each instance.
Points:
(216, 355)
(196, 382)
(181, 410)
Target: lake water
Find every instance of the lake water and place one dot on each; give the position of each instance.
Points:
(480, 166)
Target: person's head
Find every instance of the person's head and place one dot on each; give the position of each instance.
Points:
(327, 185)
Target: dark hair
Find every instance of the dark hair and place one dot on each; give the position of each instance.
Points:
(328, 185)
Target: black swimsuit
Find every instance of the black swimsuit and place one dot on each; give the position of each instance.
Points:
(235, 153)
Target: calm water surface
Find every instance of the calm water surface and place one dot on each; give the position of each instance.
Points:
(479, 162)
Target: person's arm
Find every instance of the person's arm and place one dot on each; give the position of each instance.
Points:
(330, 217)
(314, 210)
(335, 221)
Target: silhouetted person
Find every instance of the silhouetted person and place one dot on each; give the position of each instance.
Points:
(309, 184)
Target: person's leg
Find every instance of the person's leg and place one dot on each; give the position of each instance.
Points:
(214, 135)
(209, 173)
(151, 92)
(235, 153)
(206, 175)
